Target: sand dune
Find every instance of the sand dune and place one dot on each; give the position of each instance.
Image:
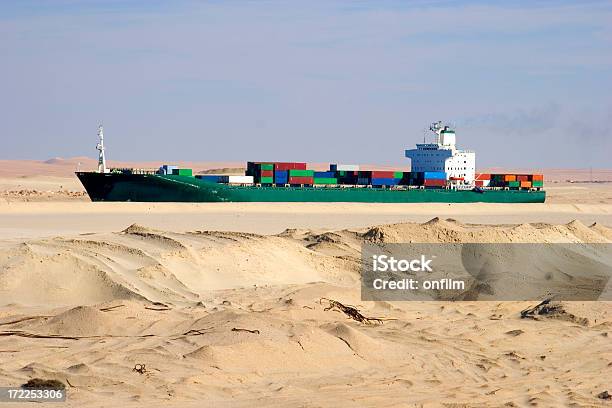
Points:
(232, 318)
(141, 263)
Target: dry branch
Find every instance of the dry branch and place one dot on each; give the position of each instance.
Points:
(350, 311)
(245, 330)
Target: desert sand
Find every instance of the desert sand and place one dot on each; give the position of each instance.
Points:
(225, 304)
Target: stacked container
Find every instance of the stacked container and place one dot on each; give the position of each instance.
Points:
(482, 180)
(523, 180)
(364, 178)
(236, 179)
(517, 180)
(498, 180)
(343, 167)
(299, 177)
(406, 178)
(347, 176)
(325, 177)
(272, 172)
(434, 179)
(281, 177)
(209, 177)
(384, 178)
(263, 173)
(289, 166)
(537, 180)
(182, 172)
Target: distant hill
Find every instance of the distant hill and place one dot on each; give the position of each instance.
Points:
(60, 167)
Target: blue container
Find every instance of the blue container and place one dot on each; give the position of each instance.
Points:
(385, 181)
(281, 176)
(211, 178)
(435, 175)
(325, 174)
(364, 181)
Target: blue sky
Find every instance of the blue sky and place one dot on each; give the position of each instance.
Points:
(527, 84)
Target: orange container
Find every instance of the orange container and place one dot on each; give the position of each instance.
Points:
(525, 184)
(537, 177)
(509, 177)
(522, 177)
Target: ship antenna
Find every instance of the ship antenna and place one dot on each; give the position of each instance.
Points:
(100, 148)
(436, 127)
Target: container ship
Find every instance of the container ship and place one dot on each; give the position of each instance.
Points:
(439, 173)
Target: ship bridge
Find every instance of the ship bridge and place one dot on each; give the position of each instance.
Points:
(443, 155)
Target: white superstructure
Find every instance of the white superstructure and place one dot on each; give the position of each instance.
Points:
(443, 155)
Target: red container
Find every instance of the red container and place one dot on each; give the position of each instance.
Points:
(301, 180)
(522, 177)
(434, 182)
(289, 166)
(483, 176)
(267, 173)
(383, 174)
(479, 183)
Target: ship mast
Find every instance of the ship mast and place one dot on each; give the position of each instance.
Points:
(100, 148)
(437, 127)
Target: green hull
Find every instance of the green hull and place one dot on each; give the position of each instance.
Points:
(167, 188)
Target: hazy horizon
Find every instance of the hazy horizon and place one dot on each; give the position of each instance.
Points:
(525, 85)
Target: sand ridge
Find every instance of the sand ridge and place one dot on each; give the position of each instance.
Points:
(235, 319)
(163, 266)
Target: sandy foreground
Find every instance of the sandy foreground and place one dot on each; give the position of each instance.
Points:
(225, 304)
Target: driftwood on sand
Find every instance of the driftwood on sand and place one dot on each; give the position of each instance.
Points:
(350, 311)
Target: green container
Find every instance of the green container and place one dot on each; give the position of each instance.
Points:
(398, 174)
(325, 180)
(301, 173)
(537, 183)
(266, 166)
(514, 184)
(341, 173)
(182, 172)
(266, 180)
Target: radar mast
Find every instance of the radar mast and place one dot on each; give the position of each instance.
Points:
(100, 147)
(437, 128)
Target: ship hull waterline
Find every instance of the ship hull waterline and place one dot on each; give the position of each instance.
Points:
(171, 188)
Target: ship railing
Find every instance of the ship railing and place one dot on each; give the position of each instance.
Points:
(129, 170)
